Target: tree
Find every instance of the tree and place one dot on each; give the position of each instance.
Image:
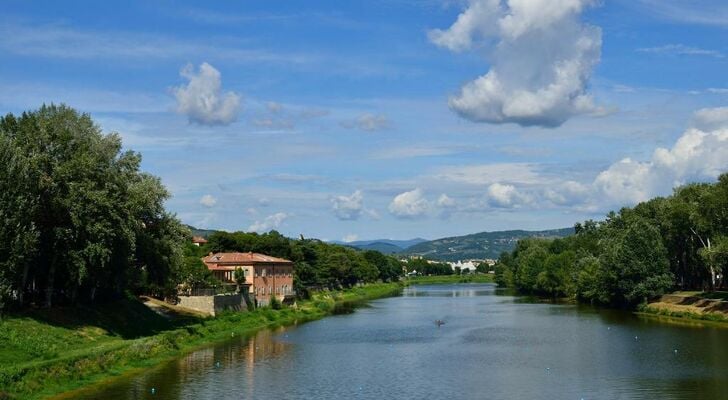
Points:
(635, 265)
(87, 220)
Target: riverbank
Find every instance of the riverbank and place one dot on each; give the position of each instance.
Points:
(696, 306)
(45, 353)
(445, 279)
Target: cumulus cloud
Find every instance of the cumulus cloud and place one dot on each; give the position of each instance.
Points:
(568, 193)
(410, 204)
(348, 208)
(208, 200)
(541, 57)
(505, 196)
(445, 201)
(700, 154)
(367, 122)
(202, 99)
(269, 222)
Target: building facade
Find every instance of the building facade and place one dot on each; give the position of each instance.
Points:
(267, 276)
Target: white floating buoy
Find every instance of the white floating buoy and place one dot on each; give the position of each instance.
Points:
(154, 390)
(635, 338)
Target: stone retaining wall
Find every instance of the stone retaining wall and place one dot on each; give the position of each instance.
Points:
(214, 304)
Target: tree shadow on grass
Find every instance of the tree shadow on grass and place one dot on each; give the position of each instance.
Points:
(127, 319)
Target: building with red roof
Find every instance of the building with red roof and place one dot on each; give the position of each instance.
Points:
(267, 276)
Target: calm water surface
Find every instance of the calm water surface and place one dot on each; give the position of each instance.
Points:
(492, 346)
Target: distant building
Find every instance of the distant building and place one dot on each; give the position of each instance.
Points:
(198, 240)
(469, 265)
(267, 276)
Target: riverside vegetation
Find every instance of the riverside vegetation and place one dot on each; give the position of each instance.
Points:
(679, 242)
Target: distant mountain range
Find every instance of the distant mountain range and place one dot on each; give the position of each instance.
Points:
(386, 246)
(478, 245)
(475, 246)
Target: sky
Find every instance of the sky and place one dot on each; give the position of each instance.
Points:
(388, 118)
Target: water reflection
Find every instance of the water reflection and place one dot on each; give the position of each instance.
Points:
(493, 345)
(232, 362)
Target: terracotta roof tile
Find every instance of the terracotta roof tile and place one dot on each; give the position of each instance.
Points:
(252, 258)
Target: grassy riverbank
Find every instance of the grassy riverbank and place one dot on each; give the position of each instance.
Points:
(696, 306)
(45, 353)
(444, 279)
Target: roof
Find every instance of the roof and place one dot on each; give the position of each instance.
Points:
(198, 239)
(243, 258)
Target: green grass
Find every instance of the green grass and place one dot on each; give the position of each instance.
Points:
(709, 317)
(45, 353)
(440, 279)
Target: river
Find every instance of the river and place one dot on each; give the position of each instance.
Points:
(492, 346)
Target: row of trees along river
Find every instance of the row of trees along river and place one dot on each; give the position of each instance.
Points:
(675, 242)
(81, 223)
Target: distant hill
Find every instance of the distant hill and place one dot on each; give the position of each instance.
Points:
(205, 233)
(386, 246)
(478, 245)
(382, 247)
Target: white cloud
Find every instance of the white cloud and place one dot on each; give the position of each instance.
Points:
(367, 122)
(700, 154)
(410, 204)
(708, 119)
(447, 205)
(718, 90)
(269, 222)
(348, 208)
(505, 196)
(208, 200)
(350, 238)
(202, 100)
(541, 57)
(568, 193)
(445, 201)
(681, 50)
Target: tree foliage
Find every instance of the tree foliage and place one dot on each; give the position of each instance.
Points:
(78, 219)
(638, 253)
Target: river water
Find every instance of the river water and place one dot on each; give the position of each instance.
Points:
(492, 346)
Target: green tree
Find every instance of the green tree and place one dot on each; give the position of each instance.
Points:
(635, 265)
(90, 221)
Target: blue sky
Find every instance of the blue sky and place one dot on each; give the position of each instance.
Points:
(389, 119)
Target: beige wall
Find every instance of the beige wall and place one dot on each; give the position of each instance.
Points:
(214, 304)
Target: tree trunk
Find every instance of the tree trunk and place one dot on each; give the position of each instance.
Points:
(49, 290)
(712, 269)
(23, 282)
